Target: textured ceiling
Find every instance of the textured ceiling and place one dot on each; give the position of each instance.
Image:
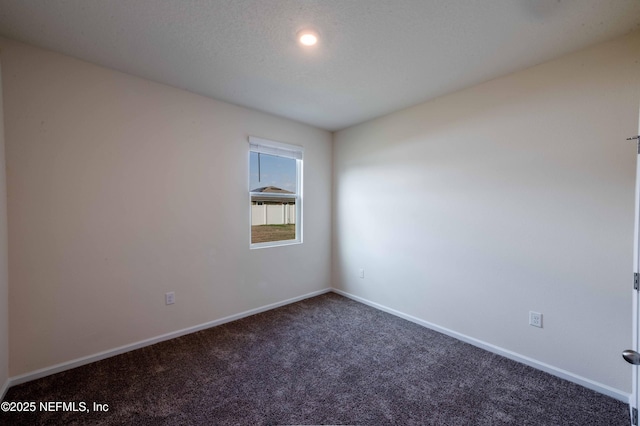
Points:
(374, 56)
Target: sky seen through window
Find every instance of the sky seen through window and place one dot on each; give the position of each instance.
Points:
(272, 171)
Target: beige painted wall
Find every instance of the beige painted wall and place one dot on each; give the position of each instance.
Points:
(514, 195)
(4, 276)
(120, 190)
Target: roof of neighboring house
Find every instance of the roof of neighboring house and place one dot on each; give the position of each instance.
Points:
(272, 190)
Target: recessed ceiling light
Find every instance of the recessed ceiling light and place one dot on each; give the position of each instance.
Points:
(307, 37)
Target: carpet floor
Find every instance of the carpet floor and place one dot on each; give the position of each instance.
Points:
(324, 360)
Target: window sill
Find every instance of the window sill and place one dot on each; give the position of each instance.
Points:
(274, 244)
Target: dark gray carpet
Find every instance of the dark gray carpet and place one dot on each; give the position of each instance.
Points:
(325, 360)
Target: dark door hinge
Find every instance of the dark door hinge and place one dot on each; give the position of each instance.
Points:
(636, 281)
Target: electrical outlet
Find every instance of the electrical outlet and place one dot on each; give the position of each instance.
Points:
(170, 298)
(535, 319)
(361, 273)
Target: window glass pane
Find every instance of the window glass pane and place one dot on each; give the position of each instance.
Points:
(270, 170)
(273, 182)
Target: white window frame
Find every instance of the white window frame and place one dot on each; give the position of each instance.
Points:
(280, 149)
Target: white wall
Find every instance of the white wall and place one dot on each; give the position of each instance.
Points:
(4, 276)
(114, 185)
(514, 195)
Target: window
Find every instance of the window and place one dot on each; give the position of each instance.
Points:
(275, 192)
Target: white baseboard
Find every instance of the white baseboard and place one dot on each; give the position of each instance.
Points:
(558, 372)
(4, 389)
(563, 374)
(37, 374)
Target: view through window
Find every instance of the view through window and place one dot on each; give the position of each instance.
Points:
(275, 189)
